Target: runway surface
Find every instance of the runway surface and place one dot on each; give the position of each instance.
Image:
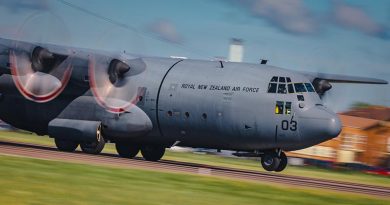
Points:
(51, 153)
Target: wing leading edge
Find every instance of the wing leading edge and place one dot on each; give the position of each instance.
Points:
(335, 78)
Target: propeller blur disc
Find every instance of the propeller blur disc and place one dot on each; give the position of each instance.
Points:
(38, 86)
(39, 74)
(112, 84)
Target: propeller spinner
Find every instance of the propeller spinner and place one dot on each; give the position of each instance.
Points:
(112, 82)
(321, 86)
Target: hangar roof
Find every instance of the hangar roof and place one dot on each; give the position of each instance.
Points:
(373, 112)
(358, 122)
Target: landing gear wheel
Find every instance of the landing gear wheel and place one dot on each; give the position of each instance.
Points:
(127, 150)
(94, 147)
(152, 152)
(65, 145)
(283, 162)
(270, 161)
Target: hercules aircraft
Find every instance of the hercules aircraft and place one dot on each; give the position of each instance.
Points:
(89, 98)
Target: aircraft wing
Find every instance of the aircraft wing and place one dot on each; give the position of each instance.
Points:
(42, 71)
(336, 78)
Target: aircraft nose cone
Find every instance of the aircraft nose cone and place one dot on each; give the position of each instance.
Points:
(334, 126)
(319, 125)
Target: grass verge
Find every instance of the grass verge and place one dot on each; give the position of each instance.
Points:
(33, 181)
(249, 164)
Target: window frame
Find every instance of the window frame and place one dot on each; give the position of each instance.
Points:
(281, 85)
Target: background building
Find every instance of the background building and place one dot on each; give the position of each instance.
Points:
(365, 139)
(236, 50)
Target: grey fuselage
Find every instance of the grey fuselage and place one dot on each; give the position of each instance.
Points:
(206, 104)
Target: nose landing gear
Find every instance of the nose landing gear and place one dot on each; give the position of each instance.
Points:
(274, 161)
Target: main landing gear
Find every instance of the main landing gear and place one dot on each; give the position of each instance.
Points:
(90, 148)
(95, 146)
(152, 152)
(149, 152)
(65, 145)
(127, 150)
(274, 161)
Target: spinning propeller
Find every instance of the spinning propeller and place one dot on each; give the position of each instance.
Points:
(112, 81)
(113, 77)
(41, 71)
(39, 74)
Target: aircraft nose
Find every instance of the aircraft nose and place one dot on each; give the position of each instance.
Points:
(334, 126)
(319, 125)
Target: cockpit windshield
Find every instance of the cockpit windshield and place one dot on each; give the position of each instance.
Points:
(284, 85)
(282, 89)
(291, 88)
(282, 79)
(300, 88)
(309, 87)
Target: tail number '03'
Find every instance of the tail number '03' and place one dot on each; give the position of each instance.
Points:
(289, 125)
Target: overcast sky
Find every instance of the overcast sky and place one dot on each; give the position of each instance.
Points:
(332, 36)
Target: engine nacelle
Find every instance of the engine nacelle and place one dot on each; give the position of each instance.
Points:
(134, 123)
(85, 115)
(75, 130)
(321, 86)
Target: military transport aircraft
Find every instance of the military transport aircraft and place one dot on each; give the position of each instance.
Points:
(89, 98)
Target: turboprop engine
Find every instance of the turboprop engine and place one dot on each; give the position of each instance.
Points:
(94, 119)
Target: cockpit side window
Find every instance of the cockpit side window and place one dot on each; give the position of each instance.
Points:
(288, 80)
(283, 108)
(272, 87)
(300, 88)
(282, 79)
(282, 89)
(288, 108)
(279, 108)
(309, 87)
